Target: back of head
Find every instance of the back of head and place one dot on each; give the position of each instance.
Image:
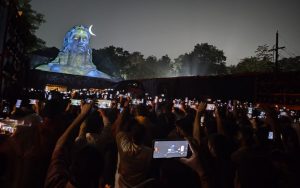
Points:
(86, 166)
(53, 108)
(112, 114)
(94, 123)
(186, 126)
(140, 110)
(136, 131)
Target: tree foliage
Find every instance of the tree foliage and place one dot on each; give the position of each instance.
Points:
(261, 62)
(205, 59)
(290, 64)
(30, 21)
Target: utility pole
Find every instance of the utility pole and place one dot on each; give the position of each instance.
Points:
(276, 53)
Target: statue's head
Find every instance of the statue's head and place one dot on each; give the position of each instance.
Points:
(77, 40)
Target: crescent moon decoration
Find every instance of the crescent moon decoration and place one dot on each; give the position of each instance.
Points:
(90, 30)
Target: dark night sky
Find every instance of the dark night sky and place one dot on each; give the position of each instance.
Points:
(159, 27)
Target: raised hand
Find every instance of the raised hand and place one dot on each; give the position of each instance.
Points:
(194, 161)
(86, 108)
(201, 107)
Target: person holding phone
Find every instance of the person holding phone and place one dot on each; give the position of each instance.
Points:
(216, 148)
(74, 169)
(198, 165)
(134, 157)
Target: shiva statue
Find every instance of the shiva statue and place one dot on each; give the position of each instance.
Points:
(75, 57)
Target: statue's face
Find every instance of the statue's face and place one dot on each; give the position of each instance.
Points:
(79, 41)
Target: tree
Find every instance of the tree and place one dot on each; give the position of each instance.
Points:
(150, 66)
(163, 66)
(135, 68)
(30, 22)
(290, 64)
(176, 66)
(260, 63)
(111, 60)
(205, 59)
(263, 53)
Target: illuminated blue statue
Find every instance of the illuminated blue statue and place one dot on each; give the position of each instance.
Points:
(75, 57)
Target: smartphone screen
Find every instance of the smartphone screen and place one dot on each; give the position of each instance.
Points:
(18, 103)
(134, 101)
(103, 103)
(170, 148)
(5, 109)
(210, 107)
(250, 110)
(49, 97)
(32, 101)
(88, 101)
(75, 102)
(270, 135)
(262, 115)
(177, 105)
(148, 103)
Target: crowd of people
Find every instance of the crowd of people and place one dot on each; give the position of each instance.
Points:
(48, 139)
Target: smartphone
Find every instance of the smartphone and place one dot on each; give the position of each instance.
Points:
(32, 101)
(250, 110)
(262, 115)
(75, 102)
(134, 101)
(5, 109)
(176, 103)
(7, 128)
(49, 97)
(210, 107)
(270, 135)
(170, 149)
(103, 103)
(88, 101)
(156, 99)
(18, 103)
(230, 106)
(186, 99)
(202, 121)
(283, 113)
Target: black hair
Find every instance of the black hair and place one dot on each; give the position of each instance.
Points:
(86, 165)
(94, 123)
(53, 108)
(186, 125)
(136, 131)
